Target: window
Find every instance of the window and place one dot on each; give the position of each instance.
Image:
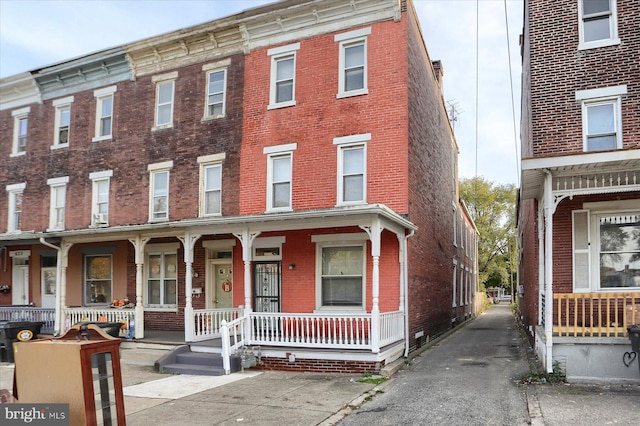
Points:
(455, 226)
(20, 124)
(279, 176)
(352, 168)
(15, 192)
(104, 113)
(342, 276)
(211, 184)
(162, 282)
(283, 70)
(159, 191)
(601, 118)
(100, 197)
(58, 198)
(598, 23)
(619, 250)
(216, 93)
(164, 99)
(62, 122)
(352, 77)
(98, 279)
(454, 284)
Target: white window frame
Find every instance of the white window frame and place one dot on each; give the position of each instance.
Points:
(207, 104)
(163, 250)
(345, 143)
(345, 41)
(602, 96)
(101, 96)
(455, 225)
(273, 153)
(99, 217)
(340, 240)
(613, 28)
(155, 170)
(13, 191)
(57, 202)
(60, 105)
(161, 80)
(86, 281)
(18, 116)
(206, 162)
(454, 283)
(278, 54)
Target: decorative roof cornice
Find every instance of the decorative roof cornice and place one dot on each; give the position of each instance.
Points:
(18, 90)
(272, 24)
(84, 73)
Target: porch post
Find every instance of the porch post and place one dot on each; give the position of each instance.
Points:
(138, 245)
(188, 242)
(374, 232)
(246, 239)
(64, 263)
(548, 270)
(404, 286)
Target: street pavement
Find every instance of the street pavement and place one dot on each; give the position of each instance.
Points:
(469, 377)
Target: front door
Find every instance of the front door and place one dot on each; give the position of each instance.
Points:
(48, 287)
(222, 295)
(266, 290)
(20, 285)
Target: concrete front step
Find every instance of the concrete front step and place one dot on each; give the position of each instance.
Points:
(196, 370)
(199, 358)
(182, 360)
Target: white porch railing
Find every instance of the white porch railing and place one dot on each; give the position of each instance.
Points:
(126, 316)
(30, 313)
(391, 327)
(232, 336)
(207, 322)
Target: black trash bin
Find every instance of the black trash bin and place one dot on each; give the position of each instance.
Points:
(112, 328)
(13, 331)
(634, 336)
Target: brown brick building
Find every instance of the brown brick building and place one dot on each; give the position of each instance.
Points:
(293, 175)
(579, 211)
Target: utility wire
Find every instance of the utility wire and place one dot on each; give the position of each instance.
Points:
(477, 62)
(513, 108)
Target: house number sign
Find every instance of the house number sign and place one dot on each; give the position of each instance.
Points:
(226, 286)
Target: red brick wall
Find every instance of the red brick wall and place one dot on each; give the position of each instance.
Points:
(559, 69)
(318, 117)
(319, 365)
(528, 261)
(431, 194)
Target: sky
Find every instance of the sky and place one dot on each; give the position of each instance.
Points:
(38, 33)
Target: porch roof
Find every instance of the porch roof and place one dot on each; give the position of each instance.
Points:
(585, 173)
(281, 221)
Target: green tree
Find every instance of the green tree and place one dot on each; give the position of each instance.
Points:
(492, 208)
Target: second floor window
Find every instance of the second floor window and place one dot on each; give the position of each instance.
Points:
(601, 117)
(212, 189)
(14, 193)
(58, 202)
(279, 182)
(100, 198)
(159, 191)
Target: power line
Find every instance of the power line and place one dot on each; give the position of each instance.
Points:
(513, 108)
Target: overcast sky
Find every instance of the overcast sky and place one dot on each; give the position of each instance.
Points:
(36, 33)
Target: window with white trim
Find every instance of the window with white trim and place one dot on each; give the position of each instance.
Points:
(100, 182)
(20, 127)
(279, 176)
(352, 72)
(162, 279)
(98, 279)
(352, 169)
(211, 184)
(342, 275)
(601, 118)
(454, 284)
(14, 194)
(104, 113)
(455, 226)
(165, 86)
(58, 202)
(62, 127)
(598, 23)
(216, 93)
(283, 72)
(159, 191)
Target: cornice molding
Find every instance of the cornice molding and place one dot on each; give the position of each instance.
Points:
(18, 90)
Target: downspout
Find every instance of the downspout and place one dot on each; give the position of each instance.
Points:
(58, 310)
(548, 270)
(405, 284)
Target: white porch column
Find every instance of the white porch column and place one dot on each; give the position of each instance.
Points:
(541, 263)
(188, 242)
(246, 239)
(374, 232)
(138, 245)
(404, 285)
(548, 270)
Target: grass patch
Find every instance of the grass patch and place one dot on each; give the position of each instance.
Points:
(371, 379)
(542, 377)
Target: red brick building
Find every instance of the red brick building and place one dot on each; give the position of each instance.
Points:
(579, 211)
(290, 169)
